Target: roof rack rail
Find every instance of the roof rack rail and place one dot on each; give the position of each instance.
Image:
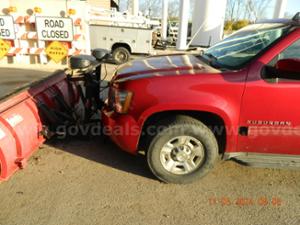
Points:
(296, 18)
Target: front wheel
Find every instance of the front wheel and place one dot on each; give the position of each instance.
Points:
(184, 151)
(121, 55)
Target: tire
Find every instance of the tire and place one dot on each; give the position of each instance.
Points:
(121, 55)
(191, 160)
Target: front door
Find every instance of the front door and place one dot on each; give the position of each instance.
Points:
(270, 111)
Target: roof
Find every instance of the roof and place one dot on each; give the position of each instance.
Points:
(295, 21)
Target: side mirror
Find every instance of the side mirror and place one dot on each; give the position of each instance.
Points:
(100, 53)
(288, 66)
(283, 69)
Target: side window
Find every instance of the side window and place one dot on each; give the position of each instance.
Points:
(292, 52)
(288, 72)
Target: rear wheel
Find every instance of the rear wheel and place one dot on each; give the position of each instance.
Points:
(121, 55)
(183, 151)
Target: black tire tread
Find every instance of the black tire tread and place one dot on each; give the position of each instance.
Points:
(118, 49)
(186, 121)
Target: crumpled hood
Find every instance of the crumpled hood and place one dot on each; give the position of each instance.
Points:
(166, 65)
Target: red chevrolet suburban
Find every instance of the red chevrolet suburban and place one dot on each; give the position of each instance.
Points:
(238, 101)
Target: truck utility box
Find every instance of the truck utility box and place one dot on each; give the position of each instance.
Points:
(121, 41)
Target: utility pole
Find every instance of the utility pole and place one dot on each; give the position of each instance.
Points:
(133, 7)
(183, 25)
(164, 21)
(280, 9)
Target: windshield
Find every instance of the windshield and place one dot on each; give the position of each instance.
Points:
(244, 45)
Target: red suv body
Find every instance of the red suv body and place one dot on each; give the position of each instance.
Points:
(245, 90)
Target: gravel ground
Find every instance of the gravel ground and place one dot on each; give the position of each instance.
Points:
(91, 181)
(70, 182)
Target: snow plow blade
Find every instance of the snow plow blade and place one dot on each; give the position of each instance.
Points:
(26, 114)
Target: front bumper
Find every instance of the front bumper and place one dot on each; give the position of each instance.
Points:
(122, 129)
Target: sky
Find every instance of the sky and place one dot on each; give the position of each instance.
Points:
(292, 8)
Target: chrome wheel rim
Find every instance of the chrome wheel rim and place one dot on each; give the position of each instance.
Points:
(121, 56)
(182, 155)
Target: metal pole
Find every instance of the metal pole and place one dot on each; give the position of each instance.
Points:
(208, 22)
(135, 7)
(280, 9)
(164, 22)
(183, 25)
(86, 29)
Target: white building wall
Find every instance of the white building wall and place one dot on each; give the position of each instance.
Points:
(100, 3)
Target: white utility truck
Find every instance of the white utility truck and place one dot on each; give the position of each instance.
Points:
(122, 41)
(121, 33)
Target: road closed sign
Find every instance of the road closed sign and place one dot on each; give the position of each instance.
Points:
(7, 28)
(54, 28)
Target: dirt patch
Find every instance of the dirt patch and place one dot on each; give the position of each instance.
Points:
(93, 182)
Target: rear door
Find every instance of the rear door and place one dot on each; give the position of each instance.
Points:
(270, 112)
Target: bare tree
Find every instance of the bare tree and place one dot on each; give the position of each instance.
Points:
(151, 7)
(246, 9)
(257, 8)
(174, 8)
(233, 9)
